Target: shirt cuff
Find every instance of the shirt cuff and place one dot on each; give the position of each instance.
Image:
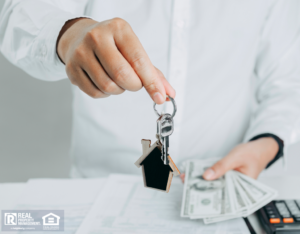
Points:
(44, 47)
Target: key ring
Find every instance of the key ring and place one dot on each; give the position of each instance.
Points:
(174, 106)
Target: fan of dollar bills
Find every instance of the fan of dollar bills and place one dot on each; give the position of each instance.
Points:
(231, 196)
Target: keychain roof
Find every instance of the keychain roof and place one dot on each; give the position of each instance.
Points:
(156, 174)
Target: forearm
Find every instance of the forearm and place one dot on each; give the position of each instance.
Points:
(277, 73)
(28, 36)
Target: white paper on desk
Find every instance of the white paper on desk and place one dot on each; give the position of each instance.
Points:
(74, 196)
(9, 194)
(125, 206)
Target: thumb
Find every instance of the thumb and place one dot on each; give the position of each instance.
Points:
(155, 87)
(220, 168)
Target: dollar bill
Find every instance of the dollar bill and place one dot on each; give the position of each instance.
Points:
(230, 196)
(202, 198)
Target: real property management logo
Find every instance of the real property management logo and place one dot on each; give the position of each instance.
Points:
(10, 218)
(32, 220)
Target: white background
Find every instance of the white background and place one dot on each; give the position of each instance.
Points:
(35, 127)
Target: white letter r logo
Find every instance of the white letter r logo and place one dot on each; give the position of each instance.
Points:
(10, 219)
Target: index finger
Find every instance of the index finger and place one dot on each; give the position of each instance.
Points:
(133, 51)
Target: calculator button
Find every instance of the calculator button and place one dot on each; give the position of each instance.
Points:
(275, 220)
(283, 211)
(292, 205)
(288, 220)
(290, 202)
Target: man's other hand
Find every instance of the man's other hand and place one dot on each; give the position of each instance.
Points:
(248, 158)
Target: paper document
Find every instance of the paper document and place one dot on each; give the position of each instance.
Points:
(9, 194)
(125, 206)
(74, 196)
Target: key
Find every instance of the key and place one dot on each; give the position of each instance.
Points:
(165, 128)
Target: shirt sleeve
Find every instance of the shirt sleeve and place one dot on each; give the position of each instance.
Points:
(277, 72)
(28, 34)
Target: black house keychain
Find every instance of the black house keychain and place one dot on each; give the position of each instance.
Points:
(158, 167)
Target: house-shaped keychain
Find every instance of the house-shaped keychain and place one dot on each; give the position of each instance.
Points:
(156, 174)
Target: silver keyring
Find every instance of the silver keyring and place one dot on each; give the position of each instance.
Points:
(174, 106)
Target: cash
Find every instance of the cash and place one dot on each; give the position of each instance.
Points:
(231, 196)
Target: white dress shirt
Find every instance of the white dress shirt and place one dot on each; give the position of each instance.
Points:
(235, 66)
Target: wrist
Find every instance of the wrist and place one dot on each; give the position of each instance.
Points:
(280, 144)
(269, 149)
(67, 34)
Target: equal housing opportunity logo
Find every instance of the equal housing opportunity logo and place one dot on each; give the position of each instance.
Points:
(32, 220)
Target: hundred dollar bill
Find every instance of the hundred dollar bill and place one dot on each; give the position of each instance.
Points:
(202, 198)
(261, 194)
(231, 196)
(228, 207)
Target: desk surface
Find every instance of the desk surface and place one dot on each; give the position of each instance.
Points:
(287, 186)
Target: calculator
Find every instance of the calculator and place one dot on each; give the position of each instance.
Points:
(281, 217)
